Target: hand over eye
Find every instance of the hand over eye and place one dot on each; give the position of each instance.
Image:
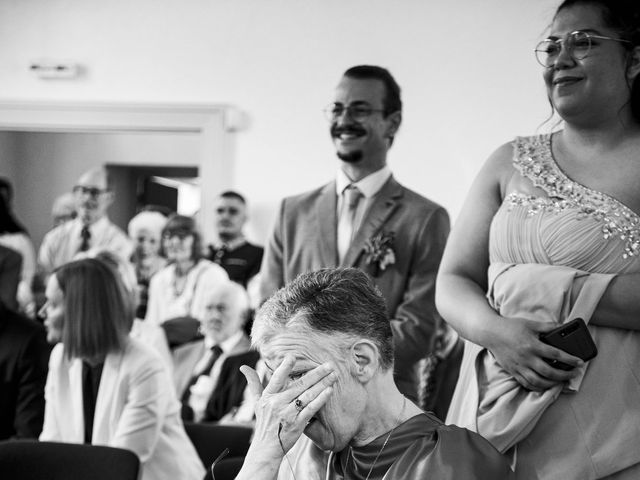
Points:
(285, 407)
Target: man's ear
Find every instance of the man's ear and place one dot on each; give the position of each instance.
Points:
(633, 69)
(365, 360)
(394, 119)
(109, 197)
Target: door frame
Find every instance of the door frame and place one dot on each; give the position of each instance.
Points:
(215, 125)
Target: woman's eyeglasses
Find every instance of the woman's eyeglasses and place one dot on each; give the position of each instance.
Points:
(577, 44)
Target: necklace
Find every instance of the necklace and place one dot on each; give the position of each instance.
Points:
(386, 440)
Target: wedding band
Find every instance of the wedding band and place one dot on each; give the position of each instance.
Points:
(298, 404)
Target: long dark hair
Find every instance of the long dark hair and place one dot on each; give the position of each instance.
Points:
(623, 16)
(8, 223)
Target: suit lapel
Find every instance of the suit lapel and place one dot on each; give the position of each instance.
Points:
(387, 200)
(106, 394)
(326, 220)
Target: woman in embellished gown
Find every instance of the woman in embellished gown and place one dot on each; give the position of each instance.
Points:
(549, 232)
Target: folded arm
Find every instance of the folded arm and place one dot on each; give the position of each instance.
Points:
(462, 285)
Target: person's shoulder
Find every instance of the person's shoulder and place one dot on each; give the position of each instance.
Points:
(309, 196)
(502, 157)
(467, 454)
(21, 326)
(207, 267)
(140, 356)
(419, 201)
(61, 231)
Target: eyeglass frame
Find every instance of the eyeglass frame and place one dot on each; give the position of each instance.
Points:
(331, 115)
(562, 43)
(93, 192)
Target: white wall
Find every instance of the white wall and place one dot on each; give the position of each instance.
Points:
(470, 81)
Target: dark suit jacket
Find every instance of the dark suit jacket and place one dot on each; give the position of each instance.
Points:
(304, 239)
(230, 387)
(10, 268)
(24, 356)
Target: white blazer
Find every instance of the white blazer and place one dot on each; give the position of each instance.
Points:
(136, 409)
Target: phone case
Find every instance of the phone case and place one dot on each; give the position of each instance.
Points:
(572, 337)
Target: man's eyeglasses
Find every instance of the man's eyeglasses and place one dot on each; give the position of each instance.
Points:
(93, 192)
(577, 44)
(357, 112)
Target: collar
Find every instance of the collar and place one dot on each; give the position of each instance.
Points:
(368, 186)
(232, 245)
(226, 346)
(98, 225)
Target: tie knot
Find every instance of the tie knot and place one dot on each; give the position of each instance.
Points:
(216, 350)
(352, 196)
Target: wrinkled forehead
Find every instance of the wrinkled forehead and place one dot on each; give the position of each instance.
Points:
(305, 348)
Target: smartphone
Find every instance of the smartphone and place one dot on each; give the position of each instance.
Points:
(574, 338)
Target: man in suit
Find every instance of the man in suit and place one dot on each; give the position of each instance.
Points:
(10, 268)
(366, 219)
(90, 229)
(217, 385)
(24, 355)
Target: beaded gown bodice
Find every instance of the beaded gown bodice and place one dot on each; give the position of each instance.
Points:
(572, 225)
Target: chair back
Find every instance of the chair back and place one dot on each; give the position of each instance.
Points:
(210, 440)
(32, 460)
(228, 468)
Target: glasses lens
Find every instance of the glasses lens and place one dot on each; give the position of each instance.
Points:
(333, 111)
(359, 112)
(546, 52)
(92, 191)
(578, 44)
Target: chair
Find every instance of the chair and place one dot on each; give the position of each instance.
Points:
(228, 468)
(32, 460)
(210, 440)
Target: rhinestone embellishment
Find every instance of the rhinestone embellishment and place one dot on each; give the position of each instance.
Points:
(532, 157)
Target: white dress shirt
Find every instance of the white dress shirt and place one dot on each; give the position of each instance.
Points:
(62, 244)
(205, 385)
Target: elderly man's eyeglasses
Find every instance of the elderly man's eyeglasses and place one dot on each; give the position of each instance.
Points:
(577, 44)
(93, 192)
(357, 112)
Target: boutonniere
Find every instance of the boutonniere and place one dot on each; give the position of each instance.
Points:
(379, 250)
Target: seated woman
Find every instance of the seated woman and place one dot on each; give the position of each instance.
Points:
(177, 293)
(105, 388)
(145, 229)
(327, 340)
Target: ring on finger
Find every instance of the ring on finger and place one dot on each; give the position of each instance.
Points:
(299, 405)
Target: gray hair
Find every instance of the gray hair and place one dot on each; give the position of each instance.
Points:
(342, 303)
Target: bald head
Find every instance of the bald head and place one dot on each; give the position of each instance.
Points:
(226, 311)
(92, 195)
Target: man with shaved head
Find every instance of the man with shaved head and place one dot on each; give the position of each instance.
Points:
(90, 229)
(217, 385)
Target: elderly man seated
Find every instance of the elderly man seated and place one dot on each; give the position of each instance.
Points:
(327, 340)
(217, 386)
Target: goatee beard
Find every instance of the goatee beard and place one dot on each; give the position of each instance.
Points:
(350, 157)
